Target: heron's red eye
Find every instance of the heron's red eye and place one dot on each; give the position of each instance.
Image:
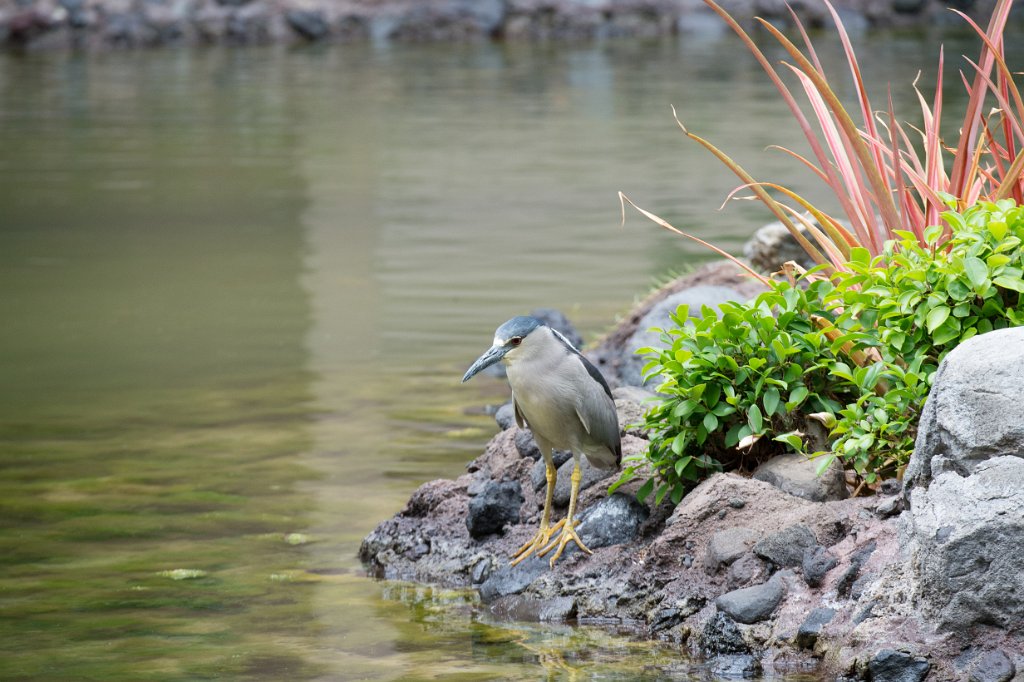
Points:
(516, 340)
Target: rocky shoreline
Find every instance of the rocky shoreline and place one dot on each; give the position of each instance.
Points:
(100, 24)
(772, 571)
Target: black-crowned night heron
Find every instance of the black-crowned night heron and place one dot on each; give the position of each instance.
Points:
(567, 405)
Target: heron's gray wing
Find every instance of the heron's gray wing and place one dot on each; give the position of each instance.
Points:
(594, 372)
(520, 419)
(596, 410)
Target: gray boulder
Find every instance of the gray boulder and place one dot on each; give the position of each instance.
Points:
(773, 245)
(753, 604)
(659, 317)
(966, 537)
(728, 545)
(992, 666)
(797, 475)
(975, 410)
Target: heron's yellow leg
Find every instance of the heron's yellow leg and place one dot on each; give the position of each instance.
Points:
(568, 529)
(543, 535)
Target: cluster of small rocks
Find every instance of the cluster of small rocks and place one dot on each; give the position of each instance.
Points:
(128, 23)
(773, 572)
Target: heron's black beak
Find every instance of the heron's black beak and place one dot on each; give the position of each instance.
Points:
(493, 355)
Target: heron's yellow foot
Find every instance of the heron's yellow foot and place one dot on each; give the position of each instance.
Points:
(568, 534)
(538, 541)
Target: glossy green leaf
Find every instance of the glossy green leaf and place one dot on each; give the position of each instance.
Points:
(754, 419)
(936, 316)
(977, 270)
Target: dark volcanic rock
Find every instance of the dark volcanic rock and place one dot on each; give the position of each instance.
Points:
(897, 666)
(721, 635)
(538, 474)
(786, 548)
(849, 577)
(512, 579)
(614, 520)
(811, 628)
(816, 563)
(752, 604)
(526, 446)
(531, 609)
(735, 667)
(505, 416)
(495, 507)
(772, 245)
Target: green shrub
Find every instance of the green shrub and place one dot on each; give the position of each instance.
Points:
(855, 351)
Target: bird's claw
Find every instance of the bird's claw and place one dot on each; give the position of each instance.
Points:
(568, 533)
(536, 543)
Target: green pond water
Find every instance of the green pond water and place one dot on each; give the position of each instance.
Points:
(238, 290)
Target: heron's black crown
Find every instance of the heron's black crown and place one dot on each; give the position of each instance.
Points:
(518, 326)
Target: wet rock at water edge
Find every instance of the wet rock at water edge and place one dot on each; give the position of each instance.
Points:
(309, 24)
(735, 667)
(510, 579)
(817, 562)
(753, 604)
(812, 626)
(786, 548)
(889, 665)
(797, 475)
(534, 609)
(721, 635)
(496, 506)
